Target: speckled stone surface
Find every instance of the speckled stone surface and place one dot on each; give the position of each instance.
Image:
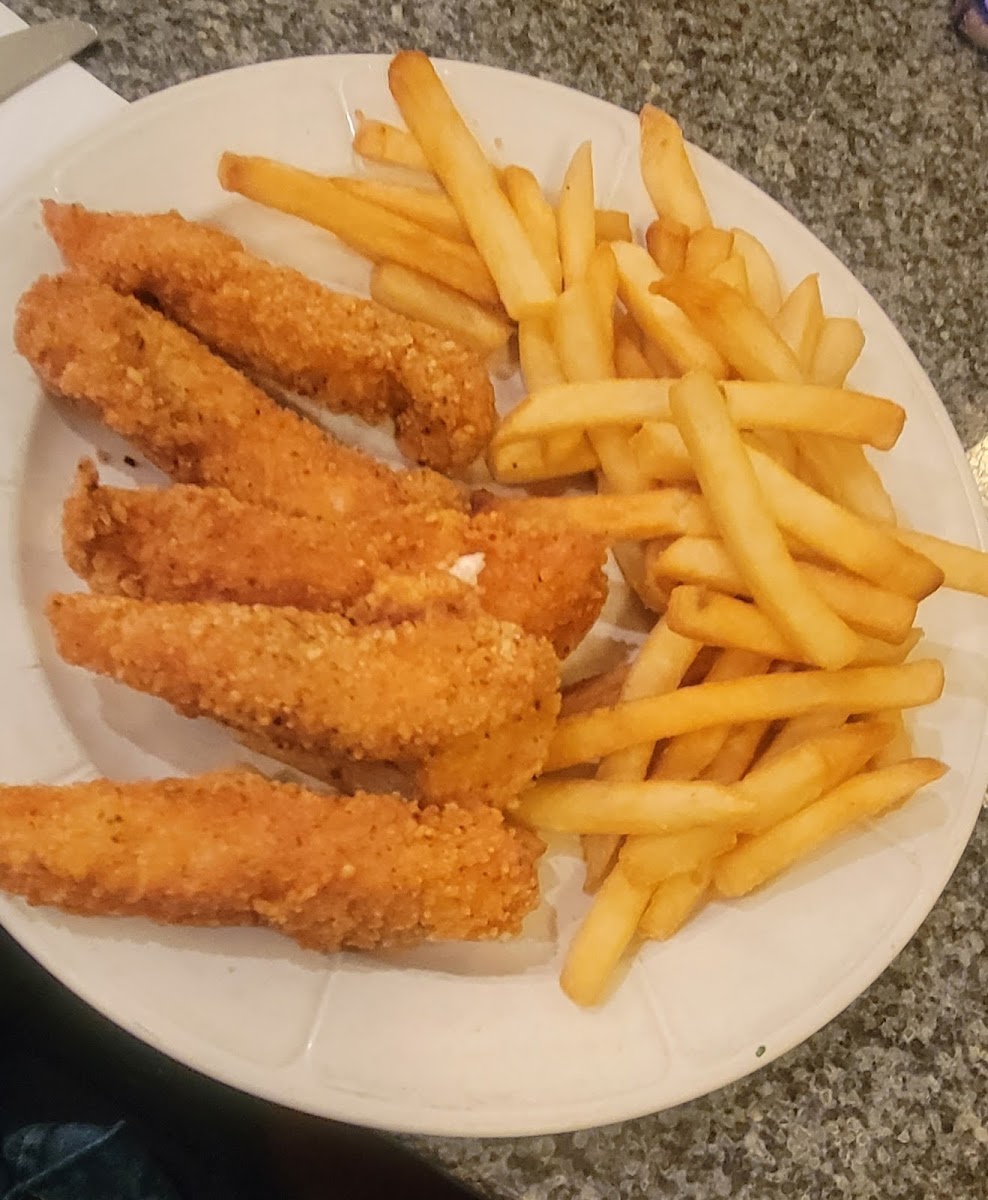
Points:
(869, 120)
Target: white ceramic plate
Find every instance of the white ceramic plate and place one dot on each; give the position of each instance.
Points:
(452, 1039)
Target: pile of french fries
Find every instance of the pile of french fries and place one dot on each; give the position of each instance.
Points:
(763, 713)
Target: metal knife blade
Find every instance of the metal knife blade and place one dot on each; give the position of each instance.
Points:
(28, 54)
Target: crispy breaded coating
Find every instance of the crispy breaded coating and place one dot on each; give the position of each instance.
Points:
(347, 353)
(194, 416)
(405, 689)
(189, 543)
(234, 848)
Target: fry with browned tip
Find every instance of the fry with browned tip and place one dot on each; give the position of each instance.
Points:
(429, 689)
(234, 848)
(192, 543)
(344, 352)
(193, 415)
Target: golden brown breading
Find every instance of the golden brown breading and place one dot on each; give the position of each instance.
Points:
(234, 848)
(349, 354)
(399, 690)
(192, 414)
(189, 543)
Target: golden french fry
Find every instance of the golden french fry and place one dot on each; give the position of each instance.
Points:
(639, 807)
(733, 324)
(383, 143)
(667, 172)
(659, 318)
(590, 736)
(630, 558)
(601, 276)
(734, 273)
(537, 219)
(812, 409)
(659, 363)
(781, 785)
(629, 361)
(898, 748)
(777, 444)
(662, 454)
(842, 472)
(840, 536)
(707, 249)
(865, 607)
(575, 216)
(673, 902)
(964, 568)
(688, 755)
(602, 939)
(647, 859)
(763, 857)
(468, 177)
(667, 240)
(525, 462)
(415, 295)
(740, 749)
(837, 349)
(612, 225)
(800, 728)
(622, 517)
(763, 279)
(424, 206)
(375, 232)
(600, 851)
(750, 533)
(800, 320)
(537, 357)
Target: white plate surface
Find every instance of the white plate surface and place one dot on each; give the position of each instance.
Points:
(452, 1039)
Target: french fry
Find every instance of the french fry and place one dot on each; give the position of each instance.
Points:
(612, 225)
(667, 240)
(837, 349)
(639, 807)
(673, 902)
(468, 177)
(525, 462)
(590, 736)
(595, 691)
(750, 533)
(601, 276)
(667, 172)
(648, 859)
(899, 746)
(778, 445)
(719, 620)
(707, 249)
(607, 931)
(733, 324)
(686, 757)
(763, 279)
(865, 607)
(575, 216)
(630, 558)
(799, 321)
(424, 206)
(840, 536)
(740, 749)
(659, 318)
(662, 454)
(800, 728)
(380, 142)
(761, 858)
(629, 361)
(964, 568)
(843, 473)
(537, 219)
(734, 273)
(537, 357)
(375, 232)
(783, 784)
(622, 517)
(423, 299)
(660, 364)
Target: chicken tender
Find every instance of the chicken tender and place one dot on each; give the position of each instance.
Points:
(346, 353)
(194, 544)
(234, 848)
(194, 416)
(409, 688)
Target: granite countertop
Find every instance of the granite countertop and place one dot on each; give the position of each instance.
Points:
(870, 122)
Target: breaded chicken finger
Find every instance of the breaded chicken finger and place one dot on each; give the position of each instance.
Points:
(234, 848)
(193, 415)
(188, 543)
(417, 688)
(346, 353)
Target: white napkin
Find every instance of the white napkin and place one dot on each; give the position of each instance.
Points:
(47, 115)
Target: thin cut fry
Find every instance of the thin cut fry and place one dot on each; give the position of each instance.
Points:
(673, 902)
(842, 472)
(525, 462)
(800, 320)
(765, 856)
(708, 248)
(383, 143)
(763, 279)
(800, 728)
(423, 299)
(468, 177)
(649, 858)
(595, 690)
(734, 273)
(629, 361)
(740, 749)
(375, 232)
(424, 206)
(537, 356)
(964, 568)
(612, 225)
(575, 216)
(750, 534)
(605, 934)
(590, 736)
(537, 219)
(667, 171)
(667, 240)
(837, 349)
